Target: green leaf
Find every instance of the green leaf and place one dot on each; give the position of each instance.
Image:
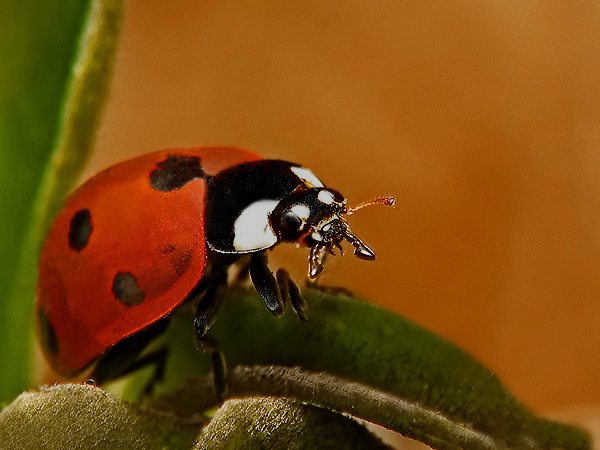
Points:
(351, 357)
(263, 423)
(55, 61)
(356, 342)
(79, 416)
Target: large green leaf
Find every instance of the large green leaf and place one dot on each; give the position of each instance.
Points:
(393, 361)
(55, 59)
(351, 357)
(79, 416)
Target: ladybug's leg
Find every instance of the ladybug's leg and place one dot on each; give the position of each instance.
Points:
(212, 288)
(124, 358)
(265, 283)
(220, 378)
(206, 314)
(156, 358)
(210, 305)
(290, 292)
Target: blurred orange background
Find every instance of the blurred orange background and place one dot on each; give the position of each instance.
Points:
(483, 118)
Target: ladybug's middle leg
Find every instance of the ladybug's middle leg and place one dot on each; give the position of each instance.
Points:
(210, 305)
(208, 309)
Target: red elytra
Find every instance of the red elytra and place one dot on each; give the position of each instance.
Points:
(159, 239)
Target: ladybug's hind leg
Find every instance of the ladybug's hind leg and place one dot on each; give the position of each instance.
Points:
(156, 358)
(124, 358)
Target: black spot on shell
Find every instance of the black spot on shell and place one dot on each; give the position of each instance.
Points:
(126, 289)
(47, 333)
(175, 171)
(80, 229)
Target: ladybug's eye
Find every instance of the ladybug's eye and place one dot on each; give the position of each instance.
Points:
(291, 226)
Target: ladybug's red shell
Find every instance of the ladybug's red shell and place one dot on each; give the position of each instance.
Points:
(127, 248)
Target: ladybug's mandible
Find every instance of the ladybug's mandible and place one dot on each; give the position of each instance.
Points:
(133, 243)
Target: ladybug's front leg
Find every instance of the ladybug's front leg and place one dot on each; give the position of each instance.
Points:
(266, 284)
(291, 292)
(276, 292)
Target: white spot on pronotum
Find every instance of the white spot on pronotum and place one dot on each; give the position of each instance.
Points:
(307, 176)
(302, 211)
(325, 197)
(252, 230)
(316, 236)
(326, 227)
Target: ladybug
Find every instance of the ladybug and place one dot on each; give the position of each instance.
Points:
(139, 238)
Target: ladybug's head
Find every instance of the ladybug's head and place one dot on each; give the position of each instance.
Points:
(315, 218)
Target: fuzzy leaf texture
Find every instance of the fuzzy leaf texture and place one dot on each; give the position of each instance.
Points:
(351, 357)
(382, 353)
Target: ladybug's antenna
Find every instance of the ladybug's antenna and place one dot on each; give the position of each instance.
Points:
(386, 201)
